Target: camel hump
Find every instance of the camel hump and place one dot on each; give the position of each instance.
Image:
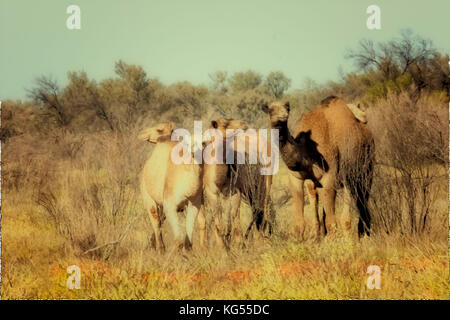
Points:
(328, 100)
(357, 112)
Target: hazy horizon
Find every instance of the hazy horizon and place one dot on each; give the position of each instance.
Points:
(186, 41)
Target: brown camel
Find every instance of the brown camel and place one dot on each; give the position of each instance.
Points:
(218, 182)
(169, 188)
(330, 148)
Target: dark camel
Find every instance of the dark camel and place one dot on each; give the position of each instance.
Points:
(331, 148)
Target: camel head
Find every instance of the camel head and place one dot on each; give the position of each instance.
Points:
(359, 114)
(233, 127)
(222, 125)
(277, 111)
(155, 134)
(231, 124)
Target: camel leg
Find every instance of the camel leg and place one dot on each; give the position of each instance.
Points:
(267, 216)
(201, 221)
(154, 214)
(213, 203)
(191, 216)
(327, 195)
(218, 229)
(172, 215)
(236, 231)
(153, 240)
(235, 206)
(346, 216)
(156, 223)
(296, 187)
(312, 193)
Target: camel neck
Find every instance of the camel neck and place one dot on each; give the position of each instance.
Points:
(164, 139)
(284, 134)
(289, 148)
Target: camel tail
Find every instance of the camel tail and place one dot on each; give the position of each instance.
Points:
(365, 218)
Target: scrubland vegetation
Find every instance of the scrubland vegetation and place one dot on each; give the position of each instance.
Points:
(71, 160)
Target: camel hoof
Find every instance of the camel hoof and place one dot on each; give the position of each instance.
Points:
(161, 250)
(346, 226)
(299, 228)
(220, 244)
(152, 242)
(180, 245)
(299, 237)
(317, 238)
(331, 229)
(187, 244)
(298, 232)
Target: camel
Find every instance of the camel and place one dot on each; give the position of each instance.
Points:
(218, 183)
(169, 188)
(331, 147)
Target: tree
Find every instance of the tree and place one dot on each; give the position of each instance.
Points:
(439, 72)
(82, 94)
(121, 101)
(369, 57)
(187, 101)
(219, 80)
(277, 83)
(242, 81)
(137, 80)
(408, 54)
(46, 92)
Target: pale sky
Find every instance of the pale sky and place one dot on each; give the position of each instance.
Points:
(177, 40)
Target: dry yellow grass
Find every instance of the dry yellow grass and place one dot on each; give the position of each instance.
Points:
(35, 259)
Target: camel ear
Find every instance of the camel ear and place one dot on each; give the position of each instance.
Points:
(288, 106)
(171, 125)
(265, 108)
(214, 124)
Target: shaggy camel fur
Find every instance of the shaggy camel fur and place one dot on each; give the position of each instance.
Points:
(169, 188)
(218, 182)
(330, 148)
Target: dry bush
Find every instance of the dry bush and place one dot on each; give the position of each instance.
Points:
(18, 119)
(411, 163)
(26, 161)
(93, 200)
